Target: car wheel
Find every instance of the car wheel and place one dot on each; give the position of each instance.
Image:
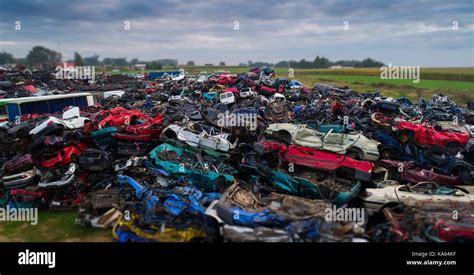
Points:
(386, 154)
(406, 136)
(283, 136)
(389, 153)
(355, 153)
(170, 134)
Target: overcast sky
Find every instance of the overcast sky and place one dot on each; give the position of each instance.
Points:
(403, 32)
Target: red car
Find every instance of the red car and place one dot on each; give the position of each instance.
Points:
(425, 134)
(267, 90)
(123, 118)
(411, 173)
(151, 129)
(63, 156)
(323, 160)
(29, 195)
(452, 231)
(227, 79)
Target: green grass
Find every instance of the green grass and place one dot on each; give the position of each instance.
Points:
(459, 91)
(370, 80)
(52, 227)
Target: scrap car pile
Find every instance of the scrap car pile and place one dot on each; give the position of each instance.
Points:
(249, 157)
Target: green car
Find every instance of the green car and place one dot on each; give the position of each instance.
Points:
(205, 172)
(305, 188)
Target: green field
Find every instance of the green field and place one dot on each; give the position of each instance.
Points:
(459, 91)
(52, 227)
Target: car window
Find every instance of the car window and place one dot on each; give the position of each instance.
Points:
(459, 193)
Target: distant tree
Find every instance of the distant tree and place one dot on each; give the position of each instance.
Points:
(134, 61)
(208, 65)
(154, 65)
(121, 62)
(346, 63)
(92, 61)
(107, 61)
(369, 63)
(242, 65)
(261, 64)
(21, 60)
(321, 62)
(304, 64)
(42, 55)
(118, 62)
(168, 62)
(282, 64)
(78, 61)
(191, 64)
(250, 63)
(6, 58)
(222, 64)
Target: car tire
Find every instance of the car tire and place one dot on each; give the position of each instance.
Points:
(355, 153)
(389, 153)
(282, 136)
(169, 134)
(406, 136)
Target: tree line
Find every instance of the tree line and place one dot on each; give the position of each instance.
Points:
(42, 55)
(320, 62)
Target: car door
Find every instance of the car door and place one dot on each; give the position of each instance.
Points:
(189, 137)
(308, 137)
(206, 141)
(334, 142)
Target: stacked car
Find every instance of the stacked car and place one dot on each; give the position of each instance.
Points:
(247, 157)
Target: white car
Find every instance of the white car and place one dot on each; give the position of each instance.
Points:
(247, 92)
(71, 119)
(200, 138)
(178, 77)
(423, 193)
(227, 98)
(202, 79)
(178, 98)
(277, 97)
(355, 145)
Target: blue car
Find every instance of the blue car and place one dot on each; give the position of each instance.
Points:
(390, 147)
